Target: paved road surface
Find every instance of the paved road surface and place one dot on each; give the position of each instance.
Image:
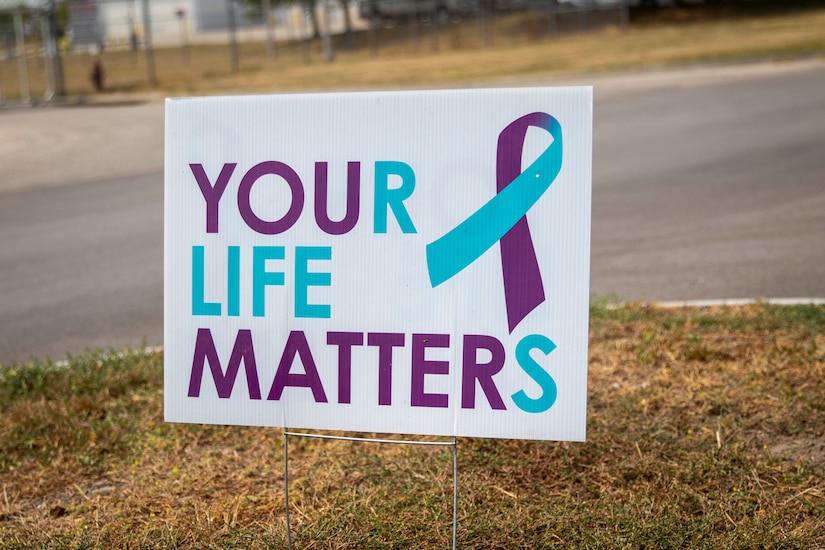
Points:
(708, 183)
(711, 191)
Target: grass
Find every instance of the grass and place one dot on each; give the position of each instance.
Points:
(517, 44)
(704, 431)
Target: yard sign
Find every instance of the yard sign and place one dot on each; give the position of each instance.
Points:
(396, 262)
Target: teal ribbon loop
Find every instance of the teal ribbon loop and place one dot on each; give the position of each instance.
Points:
(450, 254)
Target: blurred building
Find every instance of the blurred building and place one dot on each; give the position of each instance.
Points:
(118, 24)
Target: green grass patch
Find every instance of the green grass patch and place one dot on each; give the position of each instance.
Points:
(704, 431)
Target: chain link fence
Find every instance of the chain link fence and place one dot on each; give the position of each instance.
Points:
(39, 44)
(28, 47)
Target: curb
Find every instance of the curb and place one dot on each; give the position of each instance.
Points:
(736, 302)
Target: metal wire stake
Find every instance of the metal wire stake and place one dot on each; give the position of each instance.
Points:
(453, 444)
(286, 487)
(455, 488)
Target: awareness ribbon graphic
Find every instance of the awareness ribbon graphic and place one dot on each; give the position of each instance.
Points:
(504, 219)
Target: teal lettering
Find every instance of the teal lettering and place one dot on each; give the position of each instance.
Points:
(305, 279)
(537, 373)
(233, 281)
(199, 305)
(261, 278)
(392, 199)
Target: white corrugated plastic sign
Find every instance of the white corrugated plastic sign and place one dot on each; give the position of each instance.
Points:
(395, 262)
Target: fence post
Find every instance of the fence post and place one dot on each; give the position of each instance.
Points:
(21, 57)
(373, 33)
(552, 18)
(45, 34)
(326, 40)
(54, 51)
(271, 51)
(233, 40)
(624, 17)
(147, 44)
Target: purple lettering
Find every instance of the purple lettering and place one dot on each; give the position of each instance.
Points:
(297, 344)
(385, 341)
(321, 201)
(472, 370)
(242, 350)
(421, 367)
(212, 194)
(296, 203)
(345, 341)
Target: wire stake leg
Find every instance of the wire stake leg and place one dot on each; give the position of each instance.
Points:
(455, 488)
(286, 488)
(453, 444)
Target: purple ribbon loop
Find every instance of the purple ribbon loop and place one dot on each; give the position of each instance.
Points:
(504, 219)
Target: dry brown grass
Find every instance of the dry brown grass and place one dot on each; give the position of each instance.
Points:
(457, 55)
(704, 431)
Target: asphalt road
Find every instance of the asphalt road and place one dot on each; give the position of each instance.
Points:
(711, 191)
(708, 183)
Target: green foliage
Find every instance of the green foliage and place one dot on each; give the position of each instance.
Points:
(86, 375)
(49, 409)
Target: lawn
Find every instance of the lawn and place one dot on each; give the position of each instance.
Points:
(704, 431)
